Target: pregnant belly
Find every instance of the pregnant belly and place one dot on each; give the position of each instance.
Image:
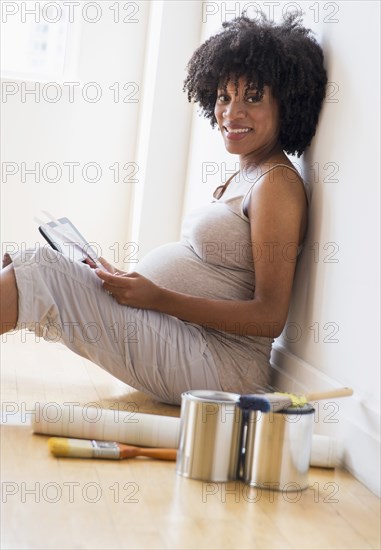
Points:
(177, 267)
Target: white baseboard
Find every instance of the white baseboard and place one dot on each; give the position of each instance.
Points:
(350, 420)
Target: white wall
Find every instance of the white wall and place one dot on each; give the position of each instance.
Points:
(165, 123)
(339, 290)
(151, 135)
(105, 132)
(332, 336)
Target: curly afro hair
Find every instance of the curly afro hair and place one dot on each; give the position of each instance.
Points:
(284, 57)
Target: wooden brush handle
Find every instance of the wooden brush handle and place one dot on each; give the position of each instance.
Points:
(318, 396)
(163, 454)
(130, 451)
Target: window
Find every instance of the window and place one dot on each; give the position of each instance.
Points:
(37, 40)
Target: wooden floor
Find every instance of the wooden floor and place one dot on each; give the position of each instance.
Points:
(50, 503)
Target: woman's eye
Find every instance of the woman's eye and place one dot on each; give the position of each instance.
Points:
(222, 98)
(253, 99)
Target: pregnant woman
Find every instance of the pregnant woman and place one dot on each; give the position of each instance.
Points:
(200, 313)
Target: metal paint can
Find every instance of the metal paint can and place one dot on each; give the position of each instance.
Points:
(278, 448)
(210, 436)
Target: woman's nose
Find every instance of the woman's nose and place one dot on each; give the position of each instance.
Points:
(234, 109)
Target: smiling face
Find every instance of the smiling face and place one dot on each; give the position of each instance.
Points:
(249, 125)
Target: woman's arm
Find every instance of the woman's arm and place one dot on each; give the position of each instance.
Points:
(277, 214)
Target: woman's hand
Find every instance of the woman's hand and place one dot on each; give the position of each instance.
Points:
(131, 289)
(110, 268)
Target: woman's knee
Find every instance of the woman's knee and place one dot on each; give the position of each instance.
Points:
(9, 299)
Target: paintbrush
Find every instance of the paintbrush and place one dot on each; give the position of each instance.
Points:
(86, 448)
(278, 401)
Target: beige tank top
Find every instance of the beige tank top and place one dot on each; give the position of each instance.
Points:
(214, 259)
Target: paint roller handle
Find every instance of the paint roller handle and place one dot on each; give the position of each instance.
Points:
(319, 396)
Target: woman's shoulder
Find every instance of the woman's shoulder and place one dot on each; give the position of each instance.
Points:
(277, 170)
(279, 180)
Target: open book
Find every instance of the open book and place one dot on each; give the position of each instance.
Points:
(63, 236)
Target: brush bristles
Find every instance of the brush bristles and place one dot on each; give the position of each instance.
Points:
(254, 403)
(265, 403)
(59, 446)
(79, 448)
(296, 400)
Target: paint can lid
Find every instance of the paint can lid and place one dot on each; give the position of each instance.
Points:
(211, 396)
(305, 409)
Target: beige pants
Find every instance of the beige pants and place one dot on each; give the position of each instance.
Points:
(64, 301)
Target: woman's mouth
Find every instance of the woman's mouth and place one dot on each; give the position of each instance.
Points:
(236, 134)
